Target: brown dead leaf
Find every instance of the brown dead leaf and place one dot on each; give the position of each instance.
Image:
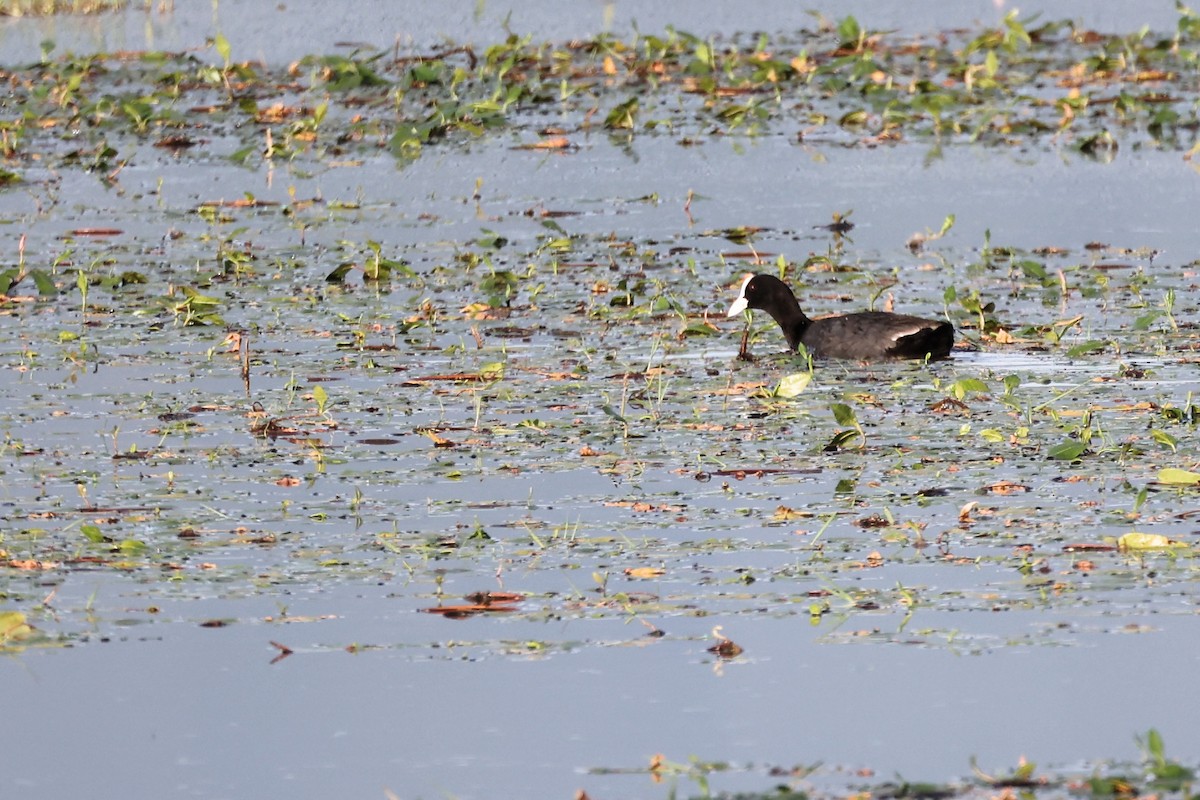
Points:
(550, 143)
(494, 598)
(439, 440)
(725, 647)
(642, 506)
(175, 142)
(1088, 547)
(786, 514)
(645, 572)
(279, 112)
(479, 603)
(31, 564)
(950, 405)
(484, 311)
(739, 388)
(455, 377)
(241, 202)
(97, 232)
(1006, 487)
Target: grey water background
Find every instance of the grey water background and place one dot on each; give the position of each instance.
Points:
(288, 30)
(163, 710)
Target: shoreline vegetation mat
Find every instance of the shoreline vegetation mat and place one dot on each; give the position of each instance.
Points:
(1027, 83)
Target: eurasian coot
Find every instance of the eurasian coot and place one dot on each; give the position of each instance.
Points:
(865, 336)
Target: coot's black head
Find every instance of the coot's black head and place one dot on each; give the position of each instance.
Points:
(764, 292)
(768, 293)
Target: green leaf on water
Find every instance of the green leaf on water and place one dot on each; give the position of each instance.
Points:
(947, 224)
(1165, 439)
(853, 119)
(961, 388)
(624, 116)
(1169, 776)
(1172, 777)
(1086, 347)
(7, 278)
(841, 439)
(242, 155)
(13, 627)
(43, 281)
(849, 31)
(991, 64)
(792, 385)
(698, 329)
(320, 397)
(491, 240)
(1113, 786)
(1153, 746)
(1035, 270)
(1135, 540)
(223, 49)
(844, 414)
(340, 272)
(1144, 322)
(1068, 450)
(197, 298)
(1178, 477)
(612, 412)
(92, 533)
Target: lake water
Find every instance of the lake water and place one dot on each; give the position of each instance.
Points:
(905, 606)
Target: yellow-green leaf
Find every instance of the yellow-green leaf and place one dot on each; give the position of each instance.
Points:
(1147, 541)
(1178, 477)
(792, 385)
(222, 47)
(13, 627)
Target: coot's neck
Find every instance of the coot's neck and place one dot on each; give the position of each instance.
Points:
(785, 310)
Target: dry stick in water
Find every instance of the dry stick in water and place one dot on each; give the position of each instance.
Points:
(244, 351)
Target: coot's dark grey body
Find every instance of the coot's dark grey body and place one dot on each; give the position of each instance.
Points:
(865, 336)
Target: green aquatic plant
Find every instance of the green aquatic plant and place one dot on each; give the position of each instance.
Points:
(844, 415)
